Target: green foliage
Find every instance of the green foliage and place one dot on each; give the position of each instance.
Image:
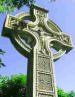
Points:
(3, 80)
(13, 87)
(72, 94)
(2, 52)
(61, 93)
(20, 77)
(10, 5)
(8, 9)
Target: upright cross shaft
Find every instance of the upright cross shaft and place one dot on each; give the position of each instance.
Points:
(41, 34)
(41, 78)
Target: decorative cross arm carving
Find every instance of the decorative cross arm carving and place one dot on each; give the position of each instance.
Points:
(43, 29)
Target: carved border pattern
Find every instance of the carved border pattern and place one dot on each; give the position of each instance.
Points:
(44, 95)
(43, 64)
(44, 82)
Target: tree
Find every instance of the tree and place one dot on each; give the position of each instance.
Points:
(10, 5)
(61, 93)
(14, 87)
(72, 94)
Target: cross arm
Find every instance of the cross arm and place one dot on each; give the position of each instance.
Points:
(61, 42)
(11, 29)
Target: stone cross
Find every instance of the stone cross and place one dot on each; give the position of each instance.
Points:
(33, 34)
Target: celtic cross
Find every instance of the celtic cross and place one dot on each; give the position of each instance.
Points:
(33, 39)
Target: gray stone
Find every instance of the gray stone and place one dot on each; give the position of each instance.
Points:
(34, 40)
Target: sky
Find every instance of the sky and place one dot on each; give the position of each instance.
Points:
(61, 12)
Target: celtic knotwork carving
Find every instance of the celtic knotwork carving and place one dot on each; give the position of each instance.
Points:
(43, 64)
(15, 23)
(44, 82)
(40, 16)
(47, 29)
(40, 13)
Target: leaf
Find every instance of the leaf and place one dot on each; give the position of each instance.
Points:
(0, 60)
(2, 9)
(2, 52)
(2, 64)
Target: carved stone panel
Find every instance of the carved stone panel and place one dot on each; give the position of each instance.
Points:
(44, 95)
(43, 64)
(44, 82)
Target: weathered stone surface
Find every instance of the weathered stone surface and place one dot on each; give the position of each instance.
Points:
(34, 40)
(44, 82)
(43, 64)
